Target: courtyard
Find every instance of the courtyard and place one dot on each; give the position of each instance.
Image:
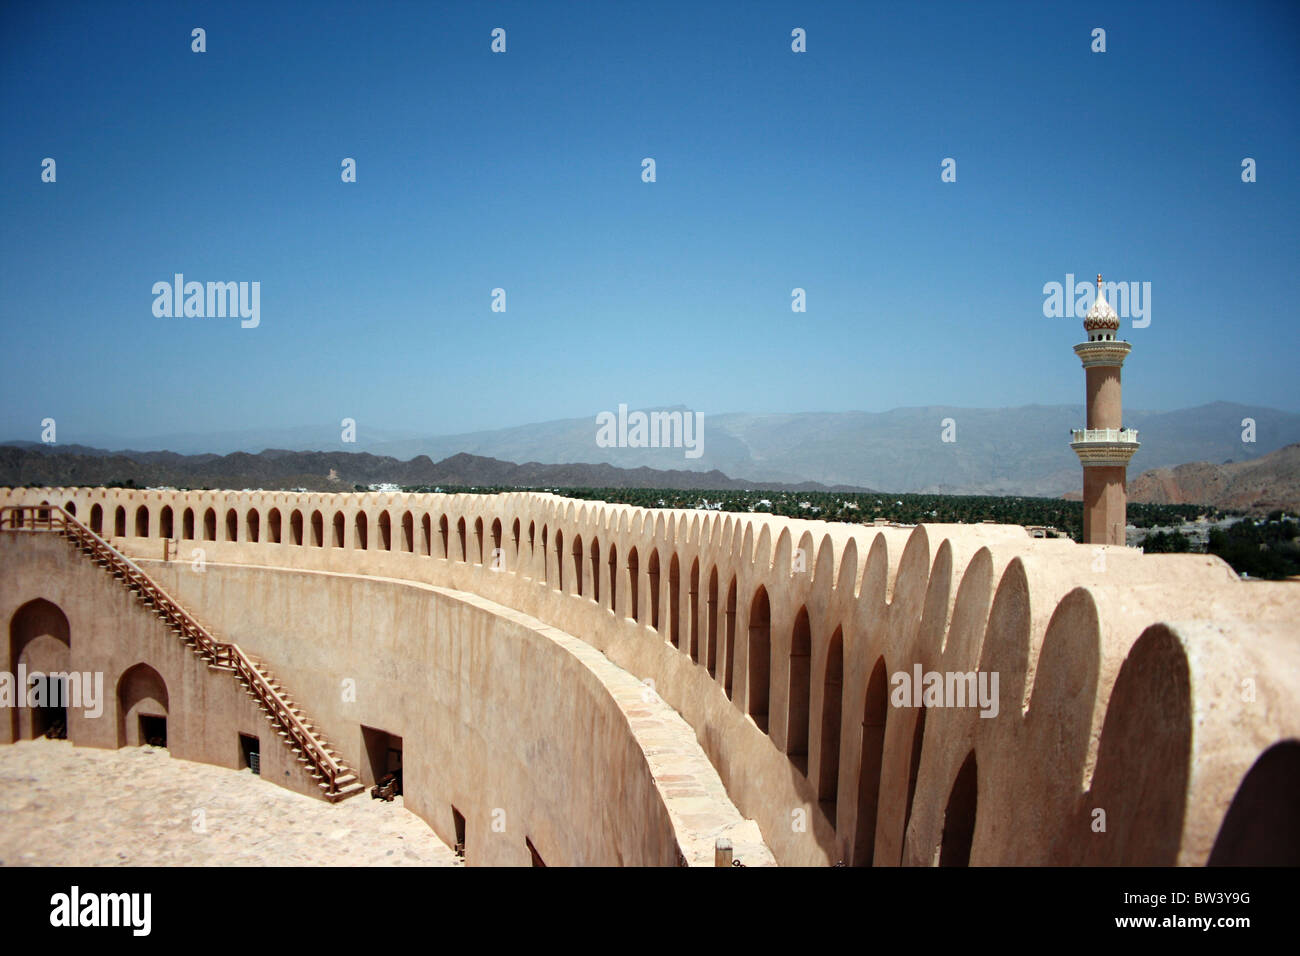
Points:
(80, 806)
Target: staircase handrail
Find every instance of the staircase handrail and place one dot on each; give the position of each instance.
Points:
(53, 518)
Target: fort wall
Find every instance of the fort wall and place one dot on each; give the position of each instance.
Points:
(146, 669)
(1143, 687)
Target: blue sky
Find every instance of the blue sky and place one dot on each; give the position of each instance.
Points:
(522, 170)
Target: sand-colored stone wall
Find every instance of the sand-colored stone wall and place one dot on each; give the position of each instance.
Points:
(112, 634)
(499, 715)
(1135, 691)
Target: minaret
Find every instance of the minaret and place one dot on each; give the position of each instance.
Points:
(1104, 447)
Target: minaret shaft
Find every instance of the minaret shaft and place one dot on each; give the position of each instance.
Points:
(1104, 407)
(1104, 446)
(1105, 504)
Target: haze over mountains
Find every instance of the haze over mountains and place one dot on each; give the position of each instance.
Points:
(1022, 450)
(26, 463)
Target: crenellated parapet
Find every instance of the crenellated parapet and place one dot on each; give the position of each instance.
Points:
(1092, 705)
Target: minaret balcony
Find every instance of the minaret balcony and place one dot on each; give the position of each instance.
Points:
(1104, 446)
(1103, 352)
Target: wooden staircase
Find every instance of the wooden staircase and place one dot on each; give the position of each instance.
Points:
(336, 780)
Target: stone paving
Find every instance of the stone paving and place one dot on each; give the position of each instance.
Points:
(66, 806)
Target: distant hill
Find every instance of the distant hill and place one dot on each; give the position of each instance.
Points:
(1262, 485)
(23, 464)
(1001, 451)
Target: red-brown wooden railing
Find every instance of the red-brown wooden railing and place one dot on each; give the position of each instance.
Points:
(52, 518)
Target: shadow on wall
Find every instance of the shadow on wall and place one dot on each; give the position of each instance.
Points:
(1262, 826)
(1143, 762)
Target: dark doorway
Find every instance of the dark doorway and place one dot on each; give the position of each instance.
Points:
(153, 730)
(383, 766)
(458, 820)
(383, 756)
(250, 753)
(51, 718)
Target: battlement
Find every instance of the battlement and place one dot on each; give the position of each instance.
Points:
(780, 641)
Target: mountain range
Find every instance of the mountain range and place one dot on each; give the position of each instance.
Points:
(23, 464)
(1260, 486)
(1022, 450)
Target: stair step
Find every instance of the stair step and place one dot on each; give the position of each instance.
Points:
(346, 784)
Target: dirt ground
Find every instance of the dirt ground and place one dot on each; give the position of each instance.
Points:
(66, 806)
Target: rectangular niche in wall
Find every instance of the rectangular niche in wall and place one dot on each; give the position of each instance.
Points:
(153, 730)
(250, 753)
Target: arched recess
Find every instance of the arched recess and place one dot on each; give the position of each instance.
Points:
(232, 525)
(799, 692)
(338, 529)
(40, 641)
(633, 584)
(577, 564)
(514, 536)
(385, 532)
(187, 524)
(613, 577)
(759, 656)
(119, 522)
(729, 650)
(273, 526)
(675, 602)
(252, 525)
(210, 525)
(1262, 827)
(97, 519)
(828, 776)
(463, 553)
(498, 555)
(478, 539)
(141, 705)
(693, 609)
(70, 507)
(874, 717)
(426, 531)
(959, 817)
(408, 532)
(317, 530)
(711, 625)
(595, 569)
(559, 559)
(295, 527)
(359, 527)
(652, 583)
(546, 555)
(142, 522)
(444, 535)
(165, 522)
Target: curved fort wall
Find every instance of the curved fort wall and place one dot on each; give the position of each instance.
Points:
(1135, 692)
